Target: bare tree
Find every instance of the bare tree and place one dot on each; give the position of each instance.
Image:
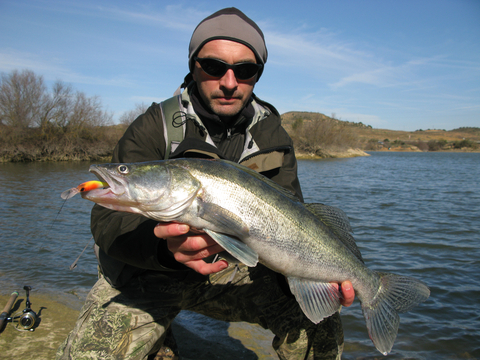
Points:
(25, 102)
(22, 96)
(86, 112)
(56, 107)
(129, 116)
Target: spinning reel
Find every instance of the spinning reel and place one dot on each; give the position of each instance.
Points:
(25, 320)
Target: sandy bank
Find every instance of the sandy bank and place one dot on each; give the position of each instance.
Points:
(331, 154)
(198, 337)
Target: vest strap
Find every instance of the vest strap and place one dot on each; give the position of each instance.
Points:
(174, 133)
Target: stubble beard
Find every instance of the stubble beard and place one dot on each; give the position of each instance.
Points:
(225, 110)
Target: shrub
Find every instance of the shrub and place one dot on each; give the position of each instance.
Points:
(465, 143)
(318, 135)
(436, 145)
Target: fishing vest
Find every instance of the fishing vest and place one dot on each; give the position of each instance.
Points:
(178, 109)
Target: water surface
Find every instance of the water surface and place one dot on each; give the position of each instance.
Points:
(414, 214)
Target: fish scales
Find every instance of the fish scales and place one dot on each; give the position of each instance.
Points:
(256, 220)
(270, 215)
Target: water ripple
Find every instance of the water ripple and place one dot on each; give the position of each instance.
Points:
(412, 214)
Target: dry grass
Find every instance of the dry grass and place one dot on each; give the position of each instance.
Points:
(31, 144)
(314, 135)
(357, 135)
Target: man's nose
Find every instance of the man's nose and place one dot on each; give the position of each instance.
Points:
(229, 81)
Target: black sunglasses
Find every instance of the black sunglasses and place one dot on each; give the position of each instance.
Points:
(218, 68)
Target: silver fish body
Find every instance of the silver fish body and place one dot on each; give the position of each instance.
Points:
(256, 220)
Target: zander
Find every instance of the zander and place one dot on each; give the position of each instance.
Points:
(256, 220)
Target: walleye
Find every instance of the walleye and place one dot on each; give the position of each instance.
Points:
(256, 220)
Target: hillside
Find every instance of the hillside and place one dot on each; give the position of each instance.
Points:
(369, 138)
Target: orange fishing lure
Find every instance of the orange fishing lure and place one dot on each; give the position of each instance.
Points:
(91, 185)
(86, 186)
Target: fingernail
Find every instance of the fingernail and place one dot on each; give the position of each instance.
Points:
(183, 228)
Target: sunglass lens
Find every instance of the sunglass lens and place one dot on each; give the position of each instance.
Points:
(245, 71)
(217, 68)
(213, 67)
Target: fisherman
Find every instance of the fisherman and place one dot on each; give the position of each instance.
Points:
(149, 272)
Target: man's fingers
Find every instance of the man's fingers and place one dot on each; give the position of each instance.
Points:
(184, 256)
(167, 230)
(190, 243)
(204, 268)
(348, 293)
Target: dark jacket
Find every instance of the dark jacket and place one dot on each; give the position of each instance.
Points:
(126, 242)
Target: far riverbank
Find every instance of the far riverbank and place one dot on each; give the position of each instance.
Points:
(315, 136)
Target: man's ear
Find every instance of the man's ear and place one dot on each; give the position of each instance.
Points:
(194, 76)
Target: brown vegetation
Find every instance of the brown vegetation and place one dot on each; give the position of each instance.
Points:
(62, 124)
(337, 134)
(319, 135)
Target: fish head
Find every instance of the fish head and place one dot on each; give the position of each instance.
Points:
(155, 189)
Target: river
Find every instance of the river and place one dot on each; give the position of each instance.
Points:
(414, 214)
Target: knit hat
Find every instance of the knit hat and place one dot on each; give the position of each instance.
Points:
(229, 24)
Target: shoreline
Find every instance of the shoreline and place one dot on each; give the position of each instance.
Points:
(331, 154)
(320, 155)
(351, 153)
(193, 333)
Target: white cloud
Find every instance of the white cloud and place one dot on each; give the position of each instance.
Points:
(53, 69)
(320, 51)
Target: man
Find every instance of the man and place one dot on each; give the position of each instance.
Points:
(149, 272)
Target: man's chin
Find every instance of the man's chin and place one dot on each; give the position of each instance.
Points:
(227, 110)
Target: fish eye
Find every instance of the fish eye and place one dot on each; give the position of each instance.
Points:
(123, 169)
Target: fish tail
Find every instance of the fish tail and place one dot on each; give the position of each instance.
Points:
(396, 294)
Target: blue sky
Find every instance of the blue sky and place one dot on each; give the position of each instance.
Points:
(400, 65)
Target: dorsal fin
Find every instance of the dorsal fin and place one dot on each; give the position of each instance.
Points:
(337, 221)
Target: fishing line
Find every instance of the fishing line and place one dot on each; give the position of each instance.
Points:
(68, 194)
(74, 264)
(56, 216)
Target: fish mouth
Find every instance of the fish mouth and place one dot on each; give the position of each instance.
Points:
(116, 187)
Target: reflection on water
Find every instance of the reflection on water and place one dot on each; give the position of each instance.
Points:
(414, 214)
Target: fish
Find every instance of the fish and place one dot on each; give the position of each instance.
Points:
(257, 221)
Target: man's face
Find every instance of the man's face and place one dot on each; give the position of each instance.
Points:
(226, 96)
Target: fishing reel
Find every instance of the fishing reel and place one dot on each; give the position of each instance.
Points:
(25, 320)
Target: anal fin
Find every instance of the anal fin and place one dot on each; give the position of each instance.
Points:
(318, 300)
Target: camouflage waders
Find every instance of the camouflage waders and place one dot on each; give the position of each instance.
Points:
(131, 323)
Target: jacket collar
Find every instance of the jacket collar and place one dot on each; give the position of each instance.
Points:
(216, 127)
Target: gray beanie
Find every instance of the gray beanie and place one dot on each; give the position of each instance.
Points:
(229, 24)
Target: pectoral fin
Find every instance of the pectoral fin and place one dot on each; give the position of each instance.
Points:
(318, 300)
(235, 248)
(223, 219)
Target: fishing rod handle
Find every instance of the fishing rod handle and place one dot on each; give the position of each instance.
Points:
(7, 308)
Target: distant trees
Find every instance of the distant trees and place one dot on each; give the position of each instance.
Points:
(26, 102)
(22, 95)
(57, 124)
(129, 116)
(465, 143)
(321, 136)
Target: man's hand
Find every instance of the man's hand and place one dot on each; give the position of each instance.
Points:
(348, 293)
(190, 249)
